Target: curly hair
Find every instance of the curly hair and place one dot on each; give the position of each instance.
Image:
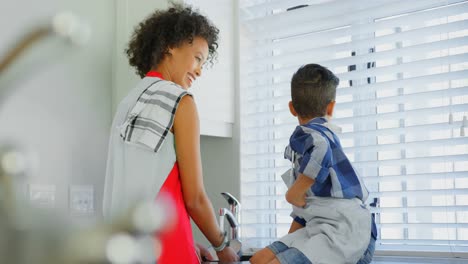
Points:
(166, 29)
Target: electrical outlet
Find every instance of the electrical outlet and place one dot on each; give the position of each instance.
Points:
(41, 195)
(81, 199)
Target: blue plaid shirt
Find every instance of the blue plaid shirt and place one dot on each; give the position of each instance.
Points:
(316, 152)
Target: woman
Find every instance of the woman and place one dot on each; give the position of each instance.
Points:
(155, 139)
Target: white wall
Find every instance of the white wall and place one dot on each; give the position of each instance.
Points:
(61, 105)
(220, 173)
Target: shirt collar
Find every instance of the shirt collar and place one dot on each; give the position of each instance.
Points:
(326, 123)
(154, 74)
(317, 120)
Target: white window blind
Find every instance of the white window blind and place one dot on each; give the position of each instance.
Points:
(402, 104)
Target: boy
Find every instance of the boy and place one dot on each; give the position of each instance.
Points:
(331, 223)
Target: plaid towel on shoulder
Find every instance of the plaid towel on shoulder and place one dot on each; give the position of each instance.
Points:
(152, 117)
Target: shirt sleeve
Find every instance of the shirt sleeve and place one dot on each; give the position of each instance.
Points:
(299, 220)
(316, 157)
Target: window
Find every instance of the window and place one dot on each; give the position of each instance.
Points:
(402, 106)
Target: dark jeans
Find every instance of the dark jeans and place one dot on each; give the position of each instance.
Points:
(291, 255)
(369, 254)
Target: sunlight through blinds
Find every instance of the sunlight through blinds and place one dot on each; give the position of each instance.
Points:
(402, 106)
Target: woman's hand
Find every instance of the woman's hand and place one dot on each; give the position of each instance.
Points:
(227, 255)
(203, 252)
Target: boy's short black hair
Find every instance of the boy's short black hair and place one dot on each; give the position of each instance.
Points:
(166, 29)
(313, 87)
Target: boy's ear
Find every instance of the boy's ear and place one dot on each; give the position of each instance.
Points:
(330, 108)
(291, 109)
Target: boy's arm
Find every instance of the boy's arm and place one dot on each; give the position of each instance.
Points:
(297, 192)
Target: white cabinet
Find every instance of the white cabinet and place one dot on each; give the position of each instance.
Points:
(214, 91)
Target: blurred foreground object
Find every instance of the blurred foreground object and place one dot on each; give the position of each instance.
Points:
(65, 30)
(42, 236)
(64, 24)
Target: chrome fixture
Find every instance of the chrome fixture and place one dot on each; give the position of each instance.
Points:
(233, 217)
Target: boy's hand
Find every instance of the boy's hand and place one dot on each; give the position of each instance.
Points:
(295, 198)
(296, 194)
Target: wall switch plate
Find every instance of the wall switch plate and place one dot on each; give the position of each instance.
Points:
(81, 199)
(42, 195)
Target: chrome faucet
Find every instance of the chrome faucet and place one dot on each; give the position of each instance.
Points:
(231, 214)
(233, 203)
(223, 212)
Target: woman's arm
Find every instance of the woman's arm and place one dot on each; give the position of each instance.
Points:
(187, 138)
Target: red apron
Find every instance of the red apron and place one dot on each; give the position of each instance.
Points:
(177, 243)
